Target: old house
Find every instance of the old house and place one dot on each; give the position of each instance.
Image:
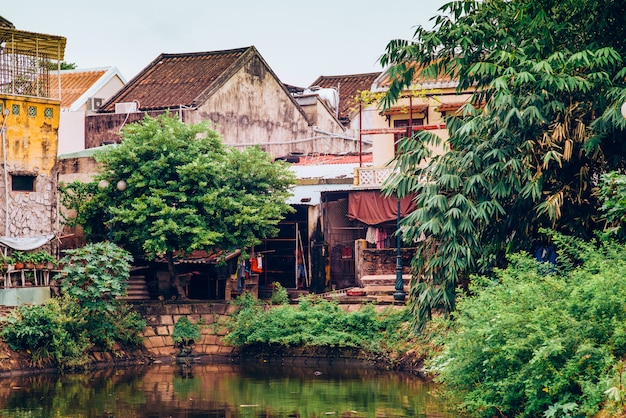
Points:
(29, 125)
(248, 105)
(83, 92)
(237, 91)
(358, 223)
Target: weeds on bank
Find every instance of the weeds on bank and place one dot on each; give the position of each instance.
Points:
(316, 322)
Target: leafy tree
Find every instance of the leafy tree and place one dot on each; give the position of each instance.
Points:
(185, 190)
(526, 153)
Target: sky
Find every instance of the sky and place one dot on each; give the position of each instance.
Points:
(300, 40)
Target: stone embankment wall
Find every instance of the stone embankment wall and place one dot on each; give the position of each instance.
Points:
(162, 316)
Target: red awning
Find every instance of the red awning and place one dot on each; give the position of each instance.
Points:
(372, 208)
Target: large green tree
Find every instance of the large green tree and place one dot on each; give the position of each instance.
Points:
(543, 125)
(184, 190)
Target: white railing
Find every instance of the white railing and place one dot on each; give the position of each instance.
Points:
(371, 176)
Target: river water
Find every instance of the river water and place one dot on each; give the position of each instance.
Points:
(218, 390)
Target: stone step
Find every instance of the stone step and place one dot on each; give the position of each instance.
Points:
(137, 289)
(382, 289)
(384, 279)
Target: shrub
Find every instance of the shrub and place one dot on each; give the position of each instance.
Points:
(52, 333)
(185, 333)
(279, 295)
(316, 322)
(61, 331)
(96, 274)
(530, 342)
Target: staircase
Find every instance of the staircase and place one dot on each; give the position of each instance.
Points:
(375, 288)
(382, 287)
(137, 289)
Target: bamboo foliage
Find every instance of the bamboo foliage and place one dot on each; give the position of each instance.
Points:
(543, 123)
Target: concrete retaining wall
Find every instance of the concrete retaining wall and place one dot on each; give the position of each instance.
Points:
(160, 319)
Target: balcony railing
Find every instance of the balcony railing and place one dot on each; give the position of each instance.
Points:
(371, 176)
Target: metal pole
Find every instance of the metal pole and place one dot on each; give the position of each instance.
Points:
(399, 293)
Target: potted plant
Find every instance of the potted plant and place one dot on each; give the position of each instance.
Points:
(29, 261)
(43, 259)
(5, 262)
(20, 258)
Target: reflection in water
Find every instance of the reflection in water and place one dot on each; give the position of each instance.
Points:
(217, 390)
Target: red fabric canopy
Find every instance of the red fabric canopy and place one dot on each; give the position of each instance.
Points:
(372, 208)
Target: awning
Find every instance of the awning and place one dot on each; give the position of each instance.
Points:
(25, 243)
(372, 208)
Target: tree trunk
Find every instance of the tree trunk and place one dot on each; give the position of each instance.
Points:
(174, 279)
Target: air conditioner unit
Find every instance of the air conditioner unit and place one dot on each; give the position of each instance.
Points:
(126, 107)
(95, 103)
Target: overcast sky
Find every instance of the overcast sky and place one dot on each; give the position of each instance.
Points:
(299, 39)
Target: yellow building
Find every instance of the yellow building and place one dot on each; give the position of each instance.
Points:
(423, 106)
(29, 125)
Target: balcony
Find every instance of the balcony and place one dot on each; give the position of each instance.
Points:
(371, 176)
(27, 62)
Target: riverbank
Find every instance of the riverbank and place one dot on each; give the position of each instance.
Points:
(158, 346)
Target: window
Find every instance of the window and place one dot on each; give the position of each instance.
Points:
(23, 183)
(404, 123)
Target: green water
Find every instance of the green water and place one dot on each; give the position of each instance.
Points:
(213, 390)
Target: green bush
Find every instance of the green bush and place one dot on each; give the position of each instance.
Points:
(185, 332)
(89, 315)
(279, 295)
(530, 341)
(316, 322)
(51, 333)
(96, 274)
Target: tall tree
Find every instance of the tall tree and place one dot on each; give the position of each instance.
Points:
(185, 190)
(543, 125)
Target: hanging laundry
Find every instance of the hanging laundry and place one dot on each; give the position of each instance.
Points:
(381, 237)
(256, 265)
(370, 236)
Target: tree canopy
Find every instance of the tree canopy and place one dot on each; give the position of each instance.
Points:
(543, 125)
(184, 190)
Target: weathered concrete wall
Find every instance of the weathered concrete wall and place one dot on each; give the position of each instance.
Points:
(253, 108)
(31, 140)
(105, 128)
(373, 261)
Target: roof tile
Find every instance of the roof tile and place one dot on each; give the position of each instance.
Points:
(348, 87)
(74, 83)
(173, 80)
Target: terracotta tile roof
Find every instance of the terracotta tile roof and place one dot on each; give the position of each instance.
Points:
(334, 159)
(172, 80)
(74, 83)
(348, 86)
(418, 78)
(405, 110)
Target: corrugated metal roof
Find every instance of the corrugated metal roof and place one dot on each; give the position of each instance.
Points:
(32, 44)
(311, 195)
(324, 171)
